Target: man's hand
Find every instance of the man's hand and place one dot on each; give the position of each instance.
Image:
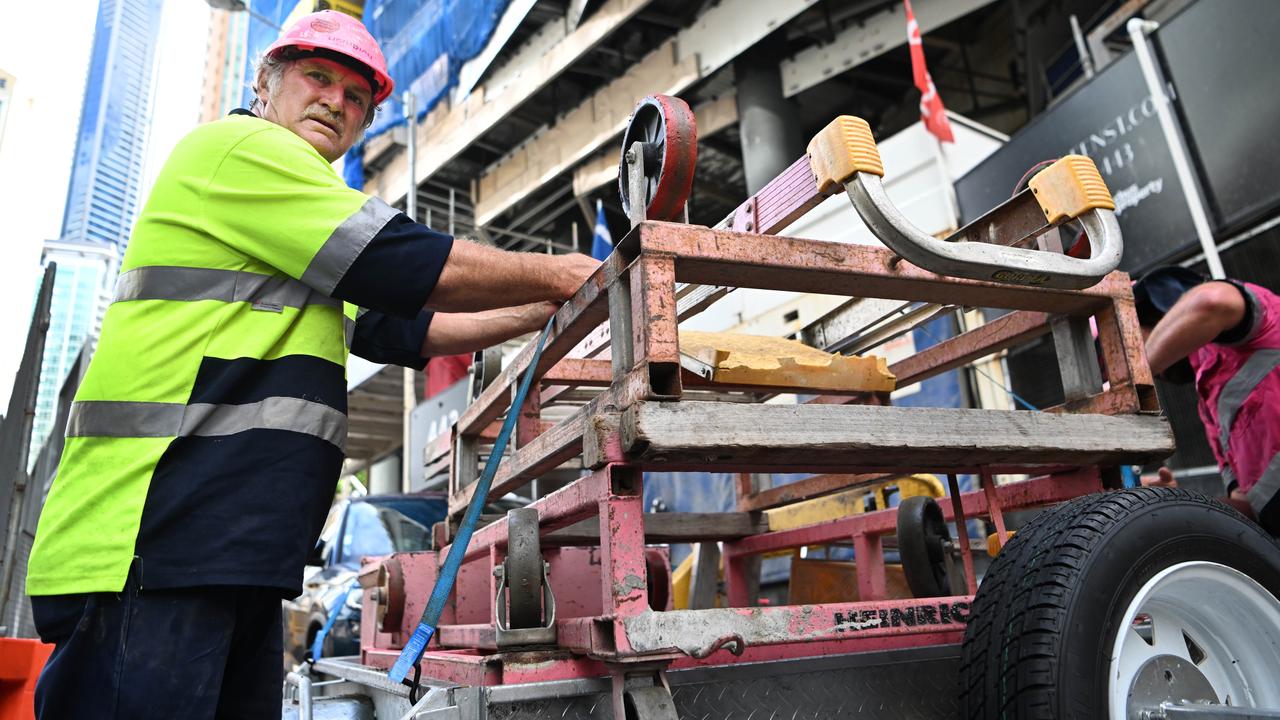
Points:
(574, 271)
(1163, 478)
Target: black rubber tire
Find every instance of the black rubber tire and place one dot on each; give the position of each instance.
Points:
(1041, 628)
(524, 569)
(922, 532)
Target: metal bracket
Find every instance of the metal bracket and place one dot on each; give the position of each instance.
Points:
(697, 367)
(645, 688)
(1169, 711)
(636, 183)
(510, 637)
(746, 218)
(302, 682)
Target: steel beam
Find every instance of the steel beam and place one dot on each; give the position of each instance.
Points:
(868, 38)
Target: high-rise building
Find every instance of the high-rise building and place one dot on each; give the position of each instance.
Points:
(115, 120)
(103, 192)
(238, 38)
(6, 96)
(224, 64)
(81, 290)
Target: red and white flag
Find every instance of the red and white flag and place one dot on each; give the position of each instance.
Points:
(932, 113)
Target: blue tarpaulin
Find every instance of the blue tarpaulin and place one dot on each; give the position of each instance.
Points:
(426, 44)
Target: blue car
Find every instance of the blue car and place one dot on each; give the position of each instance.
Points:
(356, 528)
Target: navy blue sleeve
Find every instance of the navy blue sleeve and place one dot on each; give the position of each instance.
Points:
(1248, 325)
(397, 270)
(383, 338)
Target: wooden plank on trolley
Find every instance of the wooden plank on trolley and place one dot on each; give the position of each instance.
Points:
(769, 437)
(668, 527)
(809, 487)
(722, 257)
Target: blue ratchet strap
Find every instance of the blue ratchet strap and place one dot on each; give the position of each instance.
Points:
(417, 644)
(317, 646)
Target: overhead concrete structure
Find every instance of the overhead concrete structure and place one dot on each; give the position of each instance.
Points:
(526, 143)
(769, 125)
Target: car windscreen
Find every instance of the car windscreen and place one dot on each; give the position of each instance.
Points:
(388, 526)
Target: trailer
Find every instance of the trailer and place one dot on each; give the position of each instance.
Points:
(1120, 603)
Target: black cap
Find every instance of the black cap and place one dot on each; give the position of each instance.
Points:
(1159, 289)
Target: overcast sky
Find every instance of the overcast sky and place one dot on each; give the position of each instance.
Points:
(46, 46)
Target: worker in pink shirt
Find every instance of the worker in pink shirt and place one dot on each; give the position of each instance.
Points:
(1223, 335)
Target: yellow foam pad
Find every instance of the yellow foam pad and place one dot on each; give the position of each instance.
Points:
(760, 360)
(842, 148)
(1069, 188)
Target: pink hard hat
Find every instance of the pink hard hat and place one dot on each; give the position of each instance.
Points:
(342, 34)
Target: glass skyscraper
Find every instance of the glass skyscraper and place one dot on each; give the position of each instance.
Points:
(103, 192)
(115, 120)
(81, 290)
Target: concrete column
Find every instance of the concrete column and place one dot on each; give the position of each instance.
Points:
(384, 476)
(767, 122)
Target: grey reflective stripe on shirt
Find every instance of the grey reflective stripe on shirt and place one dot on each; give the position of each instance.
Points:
(348, 330)
(1238, 389)
(346, 243)
(190, 284)
(99, 418)
(1267, 486)
(273, 413)
(104, 418)
(1229, 481)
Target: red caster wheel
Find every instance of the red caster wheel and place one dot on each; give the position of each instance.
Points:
(669, 135)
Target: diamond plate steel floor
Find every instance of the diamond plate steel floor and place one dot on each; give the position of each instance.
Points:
(904, 685)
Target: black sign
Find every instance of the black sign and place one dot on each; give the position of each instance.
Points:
(1222, 56)
(1219, 59)
(1113, 120)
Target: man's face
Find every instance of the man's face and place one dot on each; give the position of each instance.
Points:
(322, 101)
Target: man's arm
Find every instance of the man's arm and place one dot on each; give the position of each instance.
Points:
(1198, 318)
(453, 333)
(477, 277)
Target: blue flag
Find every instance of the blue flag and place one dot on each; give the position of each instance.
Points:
(602, 243)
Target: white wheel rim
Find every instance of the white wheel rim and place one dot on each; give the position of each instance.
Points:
(1214, 617)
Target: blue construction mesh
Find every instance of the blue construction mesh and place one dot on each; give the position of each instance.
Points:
(425, 43)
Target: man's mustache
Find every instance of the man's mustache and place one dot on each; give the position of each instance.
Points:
(324, 116)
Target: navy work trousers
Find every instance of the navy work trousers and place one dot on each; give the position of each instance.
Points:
(190, 653)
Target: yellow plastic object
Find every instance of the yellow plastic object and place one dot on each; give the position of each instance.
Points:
(1069, 188)
(842, 148)
(827, 581)
(848, 502)
(760, 360)
(681, 579)
(993, 542)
